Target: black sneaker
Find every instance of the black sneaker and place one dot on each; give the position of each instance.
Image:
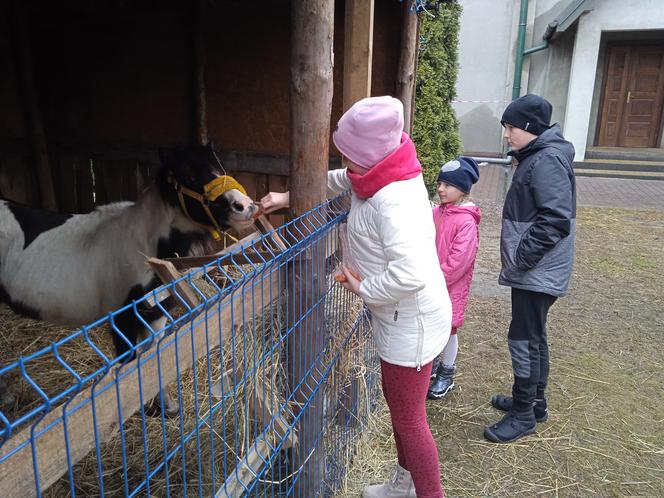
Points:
(443, 383)
(504, 403)
(513, 426)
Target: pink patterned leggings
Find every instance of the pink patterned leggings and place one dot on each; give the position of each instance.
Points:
(405, 390)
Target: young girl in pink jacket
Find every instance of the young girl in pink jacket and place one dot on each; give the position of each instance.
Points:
(457, 238)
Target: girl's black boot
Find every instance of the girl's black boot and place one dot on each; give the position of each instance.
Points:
(443, 383)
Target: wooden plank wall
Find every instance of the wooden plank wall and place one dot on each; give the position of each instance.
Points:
(251, 110)
(17, 179)
(84, 182)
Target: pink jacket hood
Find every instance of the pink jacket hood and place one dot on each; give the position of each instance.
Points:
(457, 240)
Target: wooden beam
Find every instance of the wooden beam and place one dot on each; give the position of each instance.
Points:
(407, 62)
(246, 471)
(35, 122)
(232, 160)
(250, 256)
(196, 261)
(183, 291)
(358, 50)
(256, 163)
(17, 476)
(265, 227)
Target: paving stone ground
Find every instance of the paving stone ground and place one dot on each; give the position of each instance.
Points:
(601, 192)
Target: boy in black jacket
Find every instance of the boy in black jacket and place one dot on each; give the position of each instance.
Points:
(537, 252)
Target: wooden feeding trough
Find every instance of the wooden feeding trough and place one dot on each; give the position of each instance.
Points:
(171, 269)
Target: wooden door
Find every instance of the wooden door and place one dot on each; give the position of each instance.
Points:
(631, 112)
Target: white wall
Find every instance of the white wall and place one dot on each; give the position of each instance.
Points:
(609, 15)
(486, 50)
(550, 68)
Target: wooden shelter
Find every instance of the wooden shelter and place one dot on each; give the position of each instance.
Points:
(90, 89)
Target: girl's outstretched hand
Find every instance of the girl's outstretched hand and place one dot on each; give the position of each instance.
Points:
(352, 283)
(275, 200)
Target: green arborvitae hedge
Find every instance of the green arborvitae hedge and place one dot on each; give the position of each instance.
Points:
(435, 127)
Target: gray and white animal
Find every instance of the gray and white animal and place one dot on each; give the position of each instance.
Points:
(74, 269)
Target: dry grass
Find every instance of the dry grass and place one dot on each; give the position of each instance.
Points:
(221, 440)
(21, 336)
(605, 434)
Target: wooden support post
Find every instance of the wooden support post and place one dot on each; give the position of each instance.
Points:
(408, 63)
(200, 98)
(31, 101)
(358, 50)
(312, 24)
(312, 27)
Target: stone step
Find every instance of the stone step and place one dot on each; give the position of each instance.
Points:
(625, 154)
(613, 173)
(621, 165)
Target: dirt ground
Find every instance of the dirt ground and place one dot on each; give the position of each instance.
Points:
(605, 434)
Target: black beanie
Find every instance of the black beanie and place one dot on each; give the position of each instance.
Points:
(531, 113)
(461, 172)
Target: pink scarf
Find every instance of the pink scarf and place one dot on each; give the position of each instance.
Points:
(402, 164)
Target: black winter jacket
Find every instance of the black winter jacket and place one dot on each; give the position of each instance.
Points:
(539, 217)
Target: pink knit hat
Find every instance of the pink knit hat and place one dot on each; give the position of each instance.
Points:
(370, 130)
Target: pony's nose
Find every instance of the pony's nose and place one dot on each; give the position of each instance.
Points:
(239, 207)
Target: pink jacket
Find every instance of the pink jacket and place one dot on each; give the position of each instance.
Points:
(457, 239)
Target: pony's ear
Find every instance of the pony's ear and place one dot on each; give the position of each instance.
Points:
(177, 161)
(169, 157)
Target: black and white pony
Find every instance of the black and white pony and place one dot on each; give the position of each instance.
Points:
(73, 269)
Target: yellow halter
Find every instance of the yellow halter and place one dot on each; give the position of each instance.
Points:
(211, 191)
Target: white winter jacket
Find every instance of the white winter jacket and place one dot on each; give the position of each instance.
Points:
(392, 240)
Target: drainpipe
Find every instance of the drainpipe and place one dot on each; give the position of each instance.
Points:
(521, 44)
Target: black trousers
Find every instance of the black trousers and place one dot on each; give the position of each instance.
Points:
(528, 345)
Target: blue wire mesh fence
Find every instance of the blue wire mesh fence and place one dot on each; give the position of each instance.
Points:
(269, 360)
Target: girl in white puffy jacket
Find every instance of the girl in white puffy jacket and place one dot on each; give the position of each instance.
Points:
(392, 240)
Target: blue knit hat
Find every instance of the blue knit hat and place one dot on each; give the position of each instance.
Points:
(460, 172)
